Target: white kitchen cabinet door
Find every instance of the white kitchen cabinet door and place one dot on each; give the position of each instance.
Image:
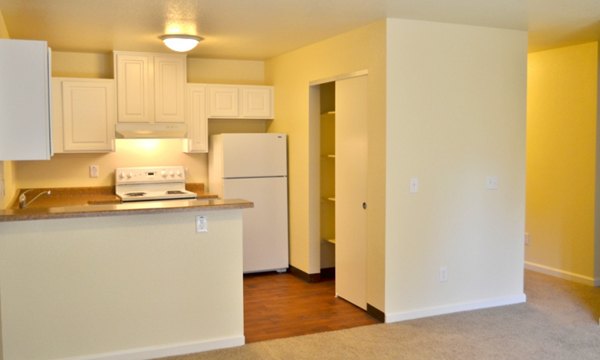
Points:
(135, 96)
(25, 128)
(169, 85)
(256, 102)
(197, 122)
(351, 190)
(88, 115)
(223, 101)
(150, 87)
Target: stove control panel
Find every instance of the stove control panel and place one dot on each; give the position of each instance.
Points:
(142, 175)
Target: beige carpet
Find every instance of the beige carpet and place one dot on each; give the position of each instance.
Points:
(559, 321)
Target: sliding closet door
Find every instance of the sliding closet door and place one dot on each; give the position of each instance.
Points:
(351, 190)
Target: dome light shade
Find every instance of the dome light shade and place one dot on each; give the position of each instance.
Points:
(180, 42)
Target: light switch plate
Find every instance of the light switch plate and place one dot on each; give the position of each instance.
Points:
(414, 185)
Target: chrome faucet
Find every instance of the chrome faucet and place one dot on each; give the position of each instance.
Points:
(23, 203)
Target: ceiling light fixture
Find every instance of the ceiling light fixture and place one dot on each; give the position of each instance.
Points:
(180, 42)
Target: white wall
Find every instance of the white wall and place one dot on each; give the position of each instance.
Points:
(455, 115)
(121, 287)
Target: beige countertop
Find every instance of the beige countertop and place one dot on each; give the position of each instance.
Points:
(101, 201)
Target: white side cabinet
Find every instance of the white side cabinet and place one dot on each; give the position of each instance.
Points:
(84, 115)
(24, 100)
(240, 101)
(197, 121)
(150, 87)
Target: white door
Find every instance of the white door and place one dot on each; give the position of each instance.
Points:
(350, 190)
(265, 236)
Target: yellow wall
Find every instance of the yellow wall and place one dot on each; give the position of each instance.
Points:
(72, 170)
(7, 174)
(100, 65)
(85, 65)
(561, 160)
(446, 104)
(455, 115)
(220, 71)
(3, 30)
(291, 74)
(7, 182)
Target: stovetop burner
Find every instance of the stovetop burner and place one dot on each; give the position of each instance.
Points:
(173, 192)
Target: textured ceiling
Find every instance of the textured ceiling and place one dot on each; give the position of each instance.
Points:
(260, 29)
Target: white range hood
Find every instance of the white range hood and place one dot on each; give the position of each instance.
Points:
(151, 131)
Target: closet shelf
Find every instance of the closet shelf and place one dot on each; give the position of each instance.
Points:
(331, 241)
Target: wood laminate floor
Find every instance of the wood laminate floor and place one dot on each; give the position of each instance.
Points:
(282, 305)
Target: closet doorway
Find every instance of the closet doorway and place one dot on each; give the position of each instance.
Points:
(342, 144)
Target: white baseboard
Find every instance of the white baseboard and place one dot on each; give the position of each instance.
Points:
(567, 275)
(453, 308)
(167, 350)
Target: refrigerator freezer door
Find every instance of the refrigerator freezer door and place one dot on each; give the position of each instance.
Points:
(265, 225)
(254, 155)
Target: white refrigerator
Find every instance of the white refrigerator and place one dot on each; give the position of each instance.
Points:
(254, 167)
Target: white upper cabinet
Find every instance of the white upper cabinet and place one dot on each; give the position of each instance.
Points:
(84, 115)
(24, 100)
(240, 101)
(223, 101)
(257, 102)
(150, 87)
(169, 88)
(197, 122)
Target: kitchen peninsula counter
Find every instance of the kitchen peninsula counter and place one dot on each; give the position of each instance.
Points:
(128, 280)
(118, 208)
(79, 196)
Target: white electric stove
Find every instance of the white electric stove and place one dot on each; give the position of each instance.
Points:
(151, 183)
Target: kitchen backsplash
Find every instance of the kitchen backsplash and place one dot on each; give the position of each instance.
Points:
(73, 170)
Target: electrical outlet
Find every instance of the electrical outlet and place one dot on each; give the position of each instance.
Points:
(94, 171)
(443, 274)
(201, 224)
(491, 182)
